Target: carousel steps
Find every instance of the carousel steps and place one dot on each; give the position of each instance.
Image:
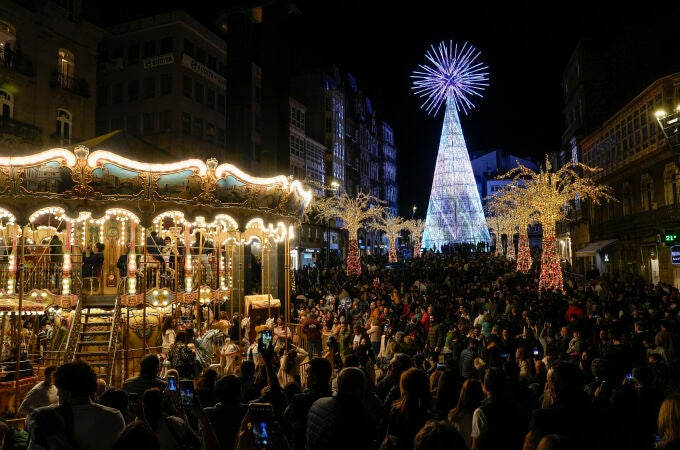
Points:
(97, 314)
(99, 301)
(83, 355)
(95, 333)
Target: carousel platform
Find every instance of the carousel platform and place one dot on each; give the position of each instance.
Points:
(99, 301)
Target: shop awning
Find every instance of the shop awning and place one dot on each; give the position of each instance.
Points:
(592, 248)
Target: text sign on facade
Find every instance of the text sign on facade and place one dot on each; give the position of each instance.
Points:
(675, 254)
(159, 61)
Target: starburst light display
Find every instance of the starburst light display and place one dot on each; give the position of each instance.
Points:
(451, 77)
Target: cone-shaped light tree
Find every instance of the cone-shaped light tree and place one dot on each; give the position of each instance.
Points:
(551, 194)
(354, 213)
(392, 226)
(452, 76)
(416, 228)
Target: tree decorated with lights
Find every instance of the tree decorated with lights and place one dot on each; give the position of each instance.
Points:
(416, 228)
(451, 77)
(551, 195)
(392, 226)
(524, 214)
(354, 213)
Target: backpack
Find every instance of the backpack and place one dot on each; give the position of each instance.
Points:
(16, 439)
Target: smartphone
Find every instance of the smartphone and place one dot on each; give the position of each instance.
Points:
(441, 366)
(172, 384)
(629, 376)
(266, 338)
(505, 355)
(535, 351)
(186, 393)
(262, 415)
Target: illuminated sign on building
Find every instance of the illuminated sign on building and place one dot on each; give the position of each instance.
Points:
(209, 74)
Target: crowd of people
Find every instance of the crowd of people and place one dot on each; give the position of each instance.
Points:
(455, 351)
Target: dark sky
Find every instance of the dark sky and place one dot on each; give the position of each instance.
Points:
(526, 46)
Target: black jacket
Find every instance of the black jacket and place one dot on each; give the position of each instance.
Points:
(337, 423)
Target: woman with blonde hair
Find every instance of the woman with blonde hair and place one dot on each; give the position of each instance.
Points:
(668, 422)
(471, 396)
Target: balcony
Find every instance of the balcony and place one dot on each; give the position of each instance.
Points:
(27, 133)
(78, 86)
(17, 64)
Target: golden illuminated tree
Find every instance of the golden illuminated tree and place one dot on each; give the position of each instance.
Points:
(392, 226)
(416, 228)
(551, 195)
(516, 201)
(502, 223)
(354, 213)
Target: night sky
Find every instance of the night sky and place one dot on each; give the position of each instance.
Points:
(526, 46)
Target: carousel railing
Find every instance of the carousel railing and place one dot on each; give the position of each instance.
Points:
(115, 334)
(74, 329)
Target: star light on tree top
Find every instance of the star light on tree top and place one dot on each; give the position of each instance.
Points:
(453, 73)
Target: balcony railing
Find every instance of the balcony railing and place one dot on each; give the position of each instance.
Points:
(27, 133)
(17, 63)
(78, 86)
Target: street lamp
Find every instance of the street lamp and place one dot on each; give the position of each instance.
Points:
(333, 188)
(670, 126)
(413, 211)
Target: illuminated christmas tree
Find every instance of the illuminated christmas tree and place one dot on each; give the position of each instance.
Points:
(392, 226)
(353, 212)
(416, 228)
(454, 212)
(550, 195)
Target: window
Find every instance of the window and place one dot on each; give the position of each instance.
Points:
(210, 132)
(8, 42)
(671, 184)
(188, 86)
(199, 93)
(186, 123)
(165, 120)
(221, 103)
(6, 105)
(166, 84)
(210, 99)
(149, 49)
(147, 123)
(133, 54)
(65, 68)
(117, 94)
(149, 87)
(166, 45)
(189, 47)
(133, 90)
(211, 63)
(132, 125)
(198, 127)
(200, 55)
(64, 125)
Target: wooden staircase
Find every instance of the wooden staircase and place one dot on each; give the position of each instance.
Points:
(97, 336)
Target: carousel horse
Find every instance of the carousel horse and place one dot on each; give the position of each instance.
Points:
(209, 344)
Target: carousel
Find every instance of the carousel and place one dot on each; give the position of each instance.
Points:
(97, 250)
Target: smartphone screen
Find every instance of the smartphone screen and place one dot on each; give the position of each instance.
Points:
(186, 393)
(535, 351)
(172, 384)
(263, 420)
(266, 338)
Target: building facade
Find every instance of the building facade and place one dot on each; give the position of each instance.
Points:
(48, 67)
(161, 79)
